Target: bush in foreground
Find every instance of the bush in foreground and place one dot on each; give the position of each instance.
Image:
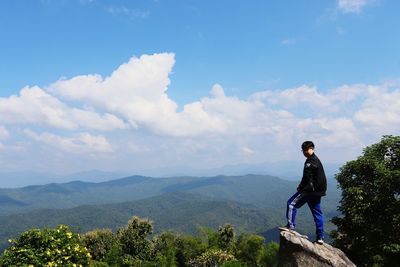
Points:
(47, 247)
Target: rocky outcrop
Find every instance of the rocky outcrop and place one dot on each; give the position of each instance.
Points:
(298, 251)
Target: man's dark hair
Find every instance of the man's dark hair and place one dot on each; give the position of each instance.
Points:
(307, 144)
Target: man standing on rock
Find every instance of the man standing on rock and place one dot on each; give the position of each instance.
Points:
(310, 190)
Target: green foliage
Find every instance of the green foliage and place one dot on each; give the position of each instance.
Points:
(269, 255)
(131, 247)
(114, 256)
(99, 242)
(165, 246)
(129, 261)
(47, 247)
(209, 236)
(234, 263)
(249, 248)
(189, 247)
(369, 228)
(226, 237)
(98, 264)
(133, 239)
(212, 258)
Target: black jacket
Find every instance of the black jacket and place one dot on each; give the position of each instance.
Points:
(314, 179)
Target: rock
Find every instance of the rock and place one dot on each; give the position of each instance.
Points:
(295, 250)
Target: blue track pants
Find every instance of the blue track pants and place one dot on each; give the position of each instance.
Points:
(314, 202)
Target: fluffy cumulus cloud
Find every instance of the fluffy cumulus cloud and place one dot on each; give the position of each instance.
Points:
(353, 6)
(137, 92)
(35, 106)
(129, 114)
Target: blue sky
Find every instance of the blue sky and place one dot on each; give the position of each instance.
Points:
(292, 70)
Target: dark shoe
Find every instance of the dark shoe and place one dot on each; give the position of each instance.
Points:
(286, 228)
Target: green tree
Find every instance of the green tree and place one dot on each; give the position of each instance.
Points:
(187, 248)
(99, 242)
(212, 258)
(269, 255)
(47, 247)
(368, 230)
(134, 241)
(165, 246)
(209, 236)
(226, 237)
(248, 248)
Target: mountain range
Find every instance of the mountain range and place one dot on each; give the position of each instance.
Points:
(254, 203)
(289, 170)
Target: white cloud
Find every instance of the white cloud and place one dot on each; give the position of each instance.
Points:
(82, 143)
(136, 91)
(380, 112)
(336, 132)
(35, 106)
(353, 6)
(294, 97)
(4, 134)
(310, 98)
(144, 123)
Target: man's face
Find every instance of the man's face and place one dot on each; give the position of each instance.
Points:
(308, 152)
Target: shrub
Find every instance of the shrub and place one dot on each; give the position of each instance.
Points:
(99, 242)
(47, 247)
(212, 258)
(269, 255)
(226, 237)
(187, 248)
(249, 247)
(165, 246)
(133, 239)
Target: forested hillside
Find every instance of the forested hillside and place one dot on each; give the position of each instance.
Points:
(254, 203)
(262, 191)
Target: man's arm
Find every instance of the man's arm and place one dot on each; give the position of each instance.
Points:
(306, 183)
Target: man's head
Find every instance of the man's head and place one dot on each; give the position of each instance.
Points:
(308, 148)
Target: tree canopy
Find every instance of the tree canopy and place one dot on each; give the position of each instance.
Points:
(368, 230)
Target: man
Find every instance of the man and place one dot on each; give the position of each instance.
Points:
(310, 190)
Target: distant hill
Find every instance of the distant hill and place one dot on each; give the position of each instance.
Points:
(24, 178)
(178, 211)
(263, 191)
(252, 202)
